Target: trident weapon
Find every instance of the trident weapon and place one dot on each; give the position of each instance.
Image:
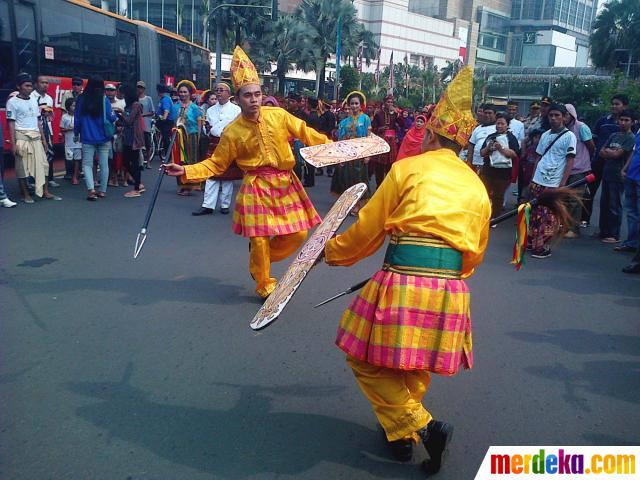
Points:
(494, 221)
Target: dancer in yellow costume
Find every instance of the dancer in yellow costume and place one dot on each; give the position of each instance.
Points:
(413, 317)
(272, 208)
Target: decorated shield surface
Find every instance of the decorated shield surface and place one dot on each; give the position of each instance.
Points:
(297, 271)
(344, 151)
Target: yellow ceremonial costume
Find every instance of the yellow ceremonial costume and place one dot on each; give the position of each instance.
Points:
(272, 208)
(413, 317)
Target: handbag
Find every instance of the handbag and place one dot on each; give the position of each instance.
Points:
(497, 159)
(109, 128)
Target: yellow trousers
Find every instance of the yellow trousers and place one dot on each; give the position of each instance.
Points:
(396, 397)
(264, 250)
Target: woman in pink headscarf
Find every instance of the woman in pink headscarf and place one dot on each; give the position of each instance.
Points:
(412, 143)
(270, 102)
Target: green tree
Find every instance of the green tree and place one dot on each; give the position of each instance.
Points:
(616, 28)
(320, 18)
(284, 43)
(360, 38)
(349, 79)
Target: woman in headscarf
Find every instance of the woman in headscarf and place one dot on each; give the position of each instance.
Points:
(189, 125)
(412, 143)
(270, 102)
(356, 125)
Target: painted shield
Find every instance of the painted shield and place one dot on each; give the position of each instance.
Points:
(311, 250)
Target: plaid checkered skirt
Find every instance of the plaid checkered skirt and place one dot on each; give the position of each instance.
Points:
(272, 202)
(409, 322)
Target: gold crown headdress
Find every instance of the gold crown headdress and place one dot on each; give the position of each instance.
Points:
(243, 72)
(363, 99)
(452, 117)
(188, 83)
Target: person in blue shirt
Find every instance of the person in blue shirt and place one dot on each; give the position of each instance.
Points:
(94, 125)
(164, 115)
(631, 176)
(190, 121)
(605, 127)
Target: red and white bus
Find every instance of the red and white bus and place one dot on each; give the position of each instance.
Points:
(70, 38)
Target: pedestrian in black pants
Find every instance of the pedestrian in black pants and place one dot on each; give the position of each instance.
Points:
(133, 140)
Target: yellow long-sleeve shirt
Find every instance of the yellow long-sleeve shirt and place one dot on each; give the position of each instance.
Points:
(254, 144)
(432, 194)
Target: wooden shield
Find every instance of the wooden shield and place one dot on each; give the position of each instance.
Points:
(344, 151)
(297, 271)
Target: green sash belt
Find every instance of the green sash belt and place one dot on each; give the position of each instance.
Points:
(422, 257)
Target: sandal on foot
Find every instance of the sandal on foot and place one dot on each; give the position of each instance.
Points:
(132, 193)
(91, 196)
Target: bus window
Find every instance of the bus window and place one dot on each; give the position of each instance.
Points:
(26, 36)
(184, 64)
(62, 31)
(168, 59)
(127, 57)
(7, 72)
(99, 44)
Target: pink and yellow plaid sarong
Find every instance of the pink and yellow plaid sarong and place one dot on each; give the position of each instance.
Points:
(409, 323)
(272, 202)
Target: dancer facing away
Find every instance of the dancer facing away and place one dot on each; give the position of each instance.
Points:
(413, 317)
(272, 209)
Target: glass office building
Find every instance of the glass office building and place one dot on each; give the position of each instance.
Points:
(184, 17)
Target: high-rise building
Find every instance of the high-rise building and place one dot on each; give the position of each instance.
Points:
(552, 33)
(412, 29)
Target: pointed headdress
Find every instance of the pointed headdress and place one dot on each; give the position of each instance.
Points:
(243, 72)
(452, 117)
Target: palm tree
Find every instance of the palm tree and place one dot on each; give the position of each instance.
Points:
(616, 28)
(320, 18)
(360, 38)
(286, 44)
(450, 70)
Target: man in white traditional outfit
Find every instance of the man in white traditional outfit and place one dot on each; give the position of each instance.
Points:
(218, 117)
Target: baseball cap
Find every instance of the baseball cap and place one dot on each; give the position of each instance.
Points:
(109, 86)
(546, 100)
(141, 84)
(535, 104)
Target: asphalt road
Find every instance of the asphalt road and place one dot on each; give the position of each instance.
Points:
(120, 369)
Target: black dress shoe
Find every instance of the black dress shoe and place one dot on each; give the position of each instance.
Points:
(402, 450)
(633, 267)
(224, 211)
(202, 211)
(436, 437)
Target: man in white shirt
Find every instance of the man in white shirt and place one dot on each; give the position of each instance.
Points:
(479, 135)
(45, 104)
(218, 117)
(515, 126)
(28, 143)
(556, 152)
(147, 112)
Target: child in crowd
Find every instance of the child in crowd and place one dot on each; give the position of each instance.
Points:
(72, 149)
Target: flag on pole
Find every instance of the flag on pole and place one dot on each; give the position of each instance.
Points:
(376, 75)
(392, 80)
(406, 71)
